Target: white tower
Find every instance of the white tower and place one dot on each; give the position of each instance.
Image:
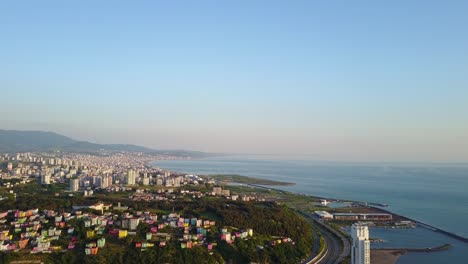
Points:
(45, 179)
(74, 185)
(131, 177)
(360, 250)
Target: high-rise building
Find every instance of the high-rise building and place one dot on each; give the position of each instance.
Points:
(159, 181)
(99, 182)
(74, 185)
(104, 182)
(360, 250)
(131, 177)
(109, 180)
(92, 180)
(146, 180)
(45, 179)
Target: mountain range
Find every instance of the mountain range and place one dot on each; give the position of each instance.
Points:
(30, 141)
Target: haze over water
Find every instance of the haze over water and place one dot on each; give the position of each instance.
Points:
(347, 80)
(434, 194)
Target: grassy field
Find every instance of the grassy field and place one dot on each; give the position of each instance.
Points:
(296, 201)
(246, 180)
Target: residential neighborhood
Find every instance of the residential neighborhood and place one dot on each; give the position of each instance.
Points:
(88, 206)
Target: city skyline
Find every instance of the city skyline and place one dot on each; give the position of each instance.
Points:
(359, 81)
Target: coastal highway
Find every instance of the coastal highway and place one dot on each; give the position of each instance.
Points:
(315, 256)
(337, 246)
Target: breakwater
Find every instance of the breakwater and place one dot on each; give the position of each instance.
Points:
(429, 249)
(433, 228)
(378, 207)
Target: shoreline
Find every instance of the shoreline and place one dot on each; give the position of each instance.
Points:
(391, 255)
(419, 223)
(241, 179)
(427, 226)
(375, 206)
(385, 256)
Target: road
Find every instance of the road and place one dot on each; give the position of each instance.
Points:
(335, 250)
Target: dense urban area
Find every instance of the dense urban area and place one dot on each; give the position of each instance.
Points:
(114, 208)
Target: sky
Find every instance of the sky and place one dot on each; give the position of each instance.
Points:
(330, 80)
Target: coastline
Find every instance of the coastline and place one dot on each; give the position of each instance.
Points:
(392, 254)
(375, 206)
(427, 226)
(385, 256)
(241, 179)
(394, 215)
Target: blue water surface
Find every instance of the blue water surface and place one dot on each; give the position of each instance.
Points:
(436, 194)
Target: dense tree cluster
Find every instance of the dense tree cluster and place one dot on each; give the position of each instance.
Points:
(268, 220)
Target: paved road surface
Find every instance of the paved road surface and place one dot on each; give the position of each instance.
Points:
(335, 250)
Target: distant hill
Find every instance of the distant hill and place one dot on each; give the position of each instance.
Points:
(23, 141)
(16, 141)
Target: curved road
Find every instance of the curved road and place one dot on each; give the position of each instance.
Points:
(335, 250)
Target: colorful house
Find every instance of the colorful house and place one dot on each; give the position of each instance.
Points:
(23, 243)
(101, 242)
(90, 234)
(123, 234)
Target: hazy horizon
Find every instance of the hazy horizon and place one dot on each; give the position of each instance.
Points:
(354, 81)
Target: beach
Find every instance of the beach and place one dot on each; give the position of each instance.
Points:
(385, 256)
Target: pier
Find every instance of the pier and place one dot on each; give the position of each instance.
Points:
(429, 249)
(433, 228)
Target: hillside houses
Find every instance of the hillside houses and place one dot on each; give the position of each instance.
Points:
(36, 230)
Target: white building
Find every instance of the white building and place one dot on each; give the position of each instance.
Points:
(74, 185)
(159, 181)
(131, 177)
(360, 249)
(217, 190)
(102, 182)
(109, 180)
(146, 180)
(45, 179)
(133, 224)
(324, 214)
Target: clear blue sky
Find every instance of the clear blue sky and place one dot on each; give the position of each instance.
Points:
(335, 80)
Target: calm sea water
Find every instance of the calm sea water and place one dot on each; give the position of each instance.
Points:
(435, 194)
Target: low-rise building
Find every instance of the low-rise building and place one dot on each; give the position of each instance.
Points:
(324, 215)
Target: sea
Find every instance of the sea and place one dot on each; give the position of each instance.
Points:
(435, 194)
